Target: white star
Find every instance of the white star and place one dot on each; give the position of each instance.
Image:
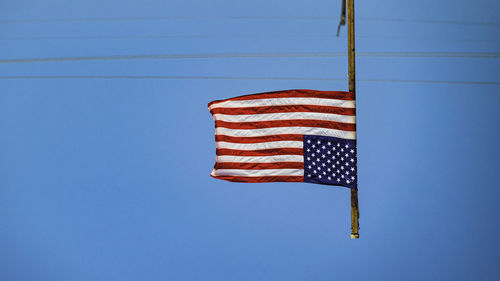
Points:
(314, 164)
(342, 150)
(338, 180)
(309, 167)
(324, 173)
(323, 156)
(315, 172)
(338, 153)
(319, 168)
(342, 176)
(328, 161)
(348, 182)
(313, 155)
(338, 144)
(342, 167)
(317, 159)
(347, 164)
(308, 141)
(313, 146)
(352, 169)
(323, 147)
(338, 171)
(333, 175)
(329, 169)
(347, 173)
(334, 148)
(319, 142)
(352, 178)
(328, 152)
(346, 155)
(342, 158)
(352, 159)
(319, 176)
(338, 162)
(308, 158)
(329, 143)
(317, 150)
(346, 146)
(308, 150)
(329, 178)
(323, 164)
(352, 150)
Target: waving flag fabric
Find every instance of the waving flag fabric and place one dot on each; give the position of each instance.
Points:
(286, 136)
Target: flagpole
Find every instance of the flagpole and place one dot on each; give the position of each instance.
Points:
(352, 88)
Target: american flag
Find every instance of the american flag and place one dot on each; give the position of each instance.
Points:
(286, 136)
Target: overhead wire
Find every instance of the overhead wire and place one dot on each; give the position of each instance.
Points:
(156, 18)
(431, 21)
(232, 55)
(169, 77)
(232, 36)
(270, 17)
(256, 55)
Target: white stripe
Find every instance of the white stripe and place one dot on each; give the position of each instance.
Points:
(286, 130)
(260, 159)
(261, 145)
(258, 173)
(285, 116)
(284, 101)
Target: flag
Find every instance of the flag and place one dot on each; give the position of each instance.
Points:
(286, 136)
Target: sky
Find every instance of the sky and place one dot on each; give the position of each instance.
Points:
(105, 162)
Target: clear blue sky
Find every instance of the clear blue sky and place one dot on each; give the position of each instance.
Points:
(108, 179)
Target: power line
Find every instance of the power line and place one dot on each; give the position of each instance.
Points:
(173, 56)
(431, 54)
(157, 18)
(168, 77)
(257, 55)
(452, 82)
(135, 37)
(271, 17)
(231, 36)
(431, 21)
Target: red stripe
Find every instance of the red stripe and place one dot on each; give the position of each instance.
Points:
(261, 179)
(259, 166)
(287, 123)
(260, 152)
(338, 95)
(284, 108)
(284, 137)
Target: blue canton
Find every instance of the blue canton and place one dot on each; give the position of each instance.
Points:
(329, 160)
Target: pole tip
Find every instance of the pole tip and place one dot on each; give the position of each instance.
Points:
(354, 235)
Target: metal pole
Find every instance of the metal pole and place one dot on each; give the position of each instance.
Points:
(352, 88)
